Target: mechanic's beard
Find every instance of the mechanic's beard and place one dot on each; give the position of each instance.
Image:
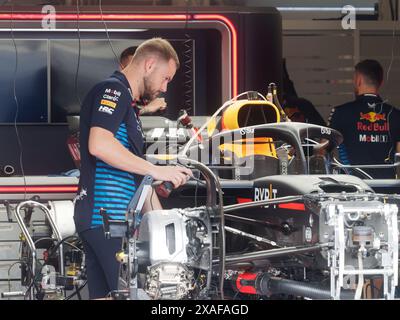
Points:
(148, 93)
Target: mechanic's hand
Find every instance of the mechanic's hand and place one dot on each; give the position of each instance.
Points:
(155, 105)
(177, 175)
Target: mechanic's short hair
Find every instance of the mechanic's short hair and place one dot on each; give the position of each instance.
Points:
(371, 70)
(157, 46)
(126, 55)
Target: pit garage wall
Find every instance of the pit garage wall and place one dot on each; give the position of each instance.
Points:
(259, 49)
(321, 57)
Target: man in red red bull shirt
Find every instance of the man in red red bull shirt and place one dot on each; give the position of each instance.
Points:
(370, 126)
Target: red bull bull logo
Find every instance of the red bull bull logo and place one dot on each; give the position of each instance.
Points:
(372, 116)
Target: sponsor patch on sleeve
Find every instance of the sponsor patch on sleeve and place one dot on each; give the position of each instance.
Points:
(109, 100)
(108, 103)
(105, 109)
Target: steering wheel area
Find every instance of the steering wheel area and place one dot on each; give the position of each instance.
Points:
(317, 146)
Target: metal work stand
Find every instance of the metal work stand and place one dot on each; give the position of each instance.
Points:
(128, 230)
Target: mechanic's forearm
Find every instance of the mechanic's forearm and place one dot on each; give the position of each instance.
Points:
(112, 152)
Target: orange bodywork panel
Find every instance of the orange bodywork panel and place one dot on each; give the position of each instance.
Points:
(236, 113)
(234, 118)
(246, 147)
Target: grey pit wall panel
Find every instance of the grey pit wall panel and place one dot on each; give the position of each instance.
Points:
(10, 269)
(3, 214)
(30, 80)
(320, 63)
(37, 214)
(321, 57)
(9, 231)
(9, 250)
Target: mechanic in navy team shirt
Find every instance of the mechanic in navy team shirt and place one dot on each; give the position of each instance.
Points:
(370, 126)
(112, 150)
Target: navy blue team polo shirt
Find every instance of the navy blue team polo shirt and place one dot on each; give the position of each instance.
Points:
(109, 105)
(371, 129)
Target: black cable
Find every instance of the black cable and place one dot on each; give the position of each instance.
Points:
(33, 283)
(221, 239)
(54, 249)
(67, 243)
(42, 239)
(151, 199)
(79, 54)
(29, 288)
(16, 101)
(198, 180)
(76, 292)
(108, 36)
(51, 253)
(196, 189)
(73, 246)
(392, 13)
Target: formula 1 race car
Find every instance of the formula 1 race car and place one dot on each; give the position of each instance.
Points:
(266, 215)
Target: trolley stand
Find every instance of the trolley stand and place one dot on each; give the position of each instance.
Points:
(23, 224)
(127, 229)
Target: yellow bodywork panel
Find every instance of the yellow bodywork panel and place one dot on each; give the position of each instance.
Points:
(234, 114)
(233, 118)
(250, 147)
